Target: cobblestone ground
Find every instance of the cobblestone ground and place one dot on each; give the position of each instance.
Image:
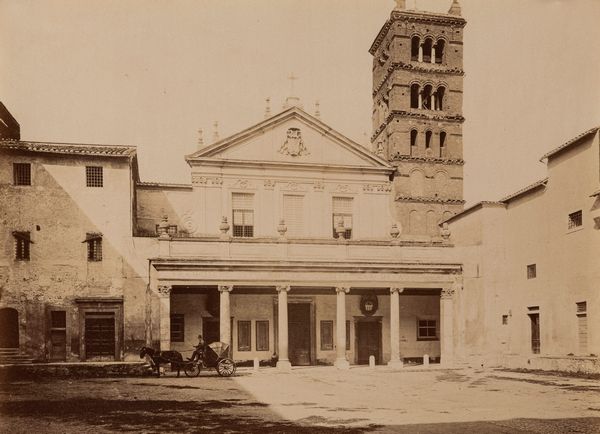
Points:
(315, 400)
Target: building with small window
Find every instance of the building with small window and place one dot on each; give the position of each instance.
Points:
(530, 267)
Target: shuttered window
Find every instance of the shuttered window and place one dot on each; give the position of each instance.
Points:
(177, 327)
(293, 214)
(342, 214)
(244, 339)
(242, 205)
(262, 335)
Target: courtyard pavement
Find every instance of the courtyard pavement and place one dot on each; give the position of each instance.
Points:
(307, 400)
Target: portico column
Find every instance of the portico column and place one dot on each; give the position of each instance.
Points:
(283, 361)
(395, 359)
(447, 326)
(340, 327)
(224, 314)
(164, 292)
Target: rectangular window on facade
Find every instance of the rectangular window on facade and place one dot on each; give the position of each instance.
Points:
(94, 176)
(342, 215)
(347, 335)
(426, 329)
(531, 271)
(94, 246)
(244, 338)
(293, 214)
(262, 335)
(22, 174)
(326, 335)
(242, 205)
(504, 319)
(22, 245)
(575, 220)
(177, 327)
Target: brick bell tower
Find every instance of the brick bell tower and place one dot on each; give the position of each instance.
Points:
(417, 114)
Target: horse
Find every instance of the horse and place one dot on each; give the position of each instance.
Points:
(158, 357)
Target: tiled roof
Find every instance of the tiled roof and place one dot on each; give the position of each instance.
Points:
(525, 190)
(70, 148)
(569, 143)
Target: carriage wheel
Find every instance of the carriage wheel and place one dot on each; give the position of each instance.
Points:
(192, 369)
(226, 368)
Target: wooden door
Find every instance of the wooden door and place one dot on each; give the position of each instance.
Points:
(299, 333)
(210, 330)
(100, 342)
(368, 341)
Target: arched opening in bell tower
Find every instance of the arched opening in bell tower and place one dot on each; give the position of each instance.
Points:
(414, 50)
(414, 96)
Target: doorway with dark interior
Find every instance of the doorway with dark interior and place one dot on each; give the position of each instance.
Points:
(9, 328)
(299, 333)
(368, 340)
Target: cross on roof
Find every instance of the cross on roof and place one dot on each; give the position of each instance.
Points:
(292, 78)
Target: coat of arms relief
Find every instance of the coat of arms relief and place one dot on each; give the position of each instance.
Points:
(294, 145)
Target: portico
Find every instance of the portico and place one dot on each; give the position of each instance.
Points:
(311, 318)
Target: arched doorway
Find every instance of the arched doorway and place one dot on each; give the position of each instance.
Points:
(9, 328)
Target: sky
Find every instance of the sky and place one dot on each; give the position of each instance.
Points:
(150, 73)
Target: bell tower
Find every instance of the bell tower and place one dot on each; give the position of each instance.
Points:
(417, 114)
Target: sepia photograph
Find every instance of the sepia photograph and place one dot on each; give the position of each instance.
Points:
(299, 216)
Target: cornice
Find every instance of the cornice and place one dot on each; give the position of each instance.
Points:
(423, 114)
(416, 68)
(408, 158)
(414, 16)
(403, 198)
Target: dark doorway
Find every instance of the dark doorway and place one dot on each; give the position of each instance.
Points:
(9, 328)
(299, 333)
(100, 336)
(535, 332)
(368, 341)
(58, 335)
(210, 330)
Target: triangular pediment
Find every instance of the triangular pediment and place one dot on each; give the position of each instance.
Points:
(291, 137)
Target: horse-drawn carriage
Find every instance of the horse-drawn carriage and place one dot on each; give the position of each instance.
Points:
(214, 356)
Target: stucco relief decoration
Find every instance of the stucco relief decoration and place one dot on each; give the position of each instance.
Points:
(369, 304)
(447, 293)
(207, 180)
(319, 186)
(343, 188)
(243, 184)
(293, 186)
(189, 221)
(164, 290)
(270, 184)
(377, 188)
(294, 145)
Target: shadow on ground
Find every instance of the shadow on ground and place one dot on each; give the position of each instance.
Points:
(159, 416)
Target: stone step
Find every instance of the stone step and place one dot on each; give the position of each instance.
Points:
(9, 351)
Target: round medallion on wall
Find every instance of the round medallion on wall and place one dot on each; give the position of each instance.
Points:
(369, 304)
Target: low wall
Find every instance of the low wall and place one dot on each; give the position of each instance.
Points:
(573, 364)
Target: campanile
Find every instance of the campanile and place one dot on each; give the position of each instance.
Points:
(417, 113)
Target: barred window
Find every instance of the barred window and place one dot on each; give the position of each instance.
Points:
(326, 335)
(22, 245)
(575, 220)
(243, 214)
(94, 246)
(581, 307)
(504, 319)
(172, 230)
(244, 338)
(22, 174)
(94, 176)
(531, 271)
(426, 329)
(342, 214)
(177, 327)
(293, 214)
(262, 335)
